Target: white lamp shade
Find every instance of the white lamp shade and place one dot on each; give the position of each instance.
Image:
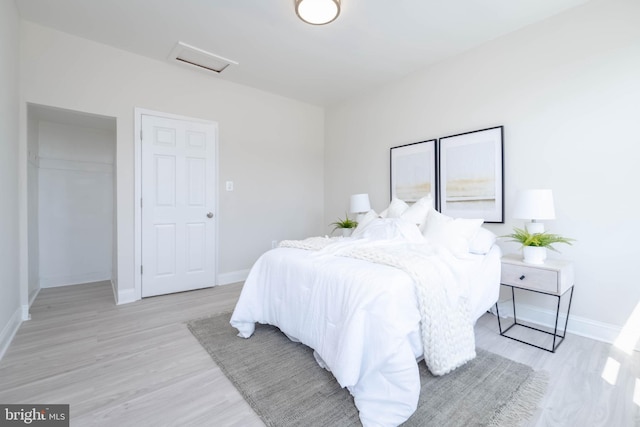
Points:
(360, 203)
(534, 204)
(318, 12)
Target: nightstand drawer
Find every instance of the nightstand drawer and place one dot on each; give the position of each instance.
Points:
(554, 276)
(530, 277)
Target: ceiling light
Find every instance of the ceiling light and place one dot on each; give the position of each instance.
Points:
(318, 12)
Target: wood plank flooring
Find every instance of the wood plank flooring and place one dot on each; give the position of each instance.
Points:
(138, 365)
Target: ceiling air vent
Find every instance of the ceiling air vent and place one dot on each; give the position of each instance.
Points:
(195, 57)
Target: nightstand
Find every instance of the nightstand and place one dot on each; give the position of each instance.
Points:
(554, 278)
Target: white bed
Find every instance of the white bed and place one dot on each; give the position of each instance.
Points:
(362, 318)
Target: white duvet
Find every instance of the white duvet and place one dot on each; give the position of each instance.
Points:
(361, 318)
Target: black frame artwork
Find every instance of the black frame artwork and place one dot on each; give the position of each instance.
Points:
(414, 171)
(471, 175)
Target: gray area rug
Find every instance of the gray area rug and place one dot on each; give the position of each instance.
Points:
(283, 383)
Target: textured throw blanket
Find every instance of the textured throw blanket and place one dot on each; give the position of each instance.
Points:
(446, 329)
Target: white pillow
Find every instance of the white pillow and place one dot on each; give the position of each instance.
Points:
(454, 234)
(417, 213)
(367, 219)
(392, 228)
(482, 242)
(395, 210)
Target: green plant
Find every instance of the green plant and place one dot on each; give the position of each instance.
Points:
(542, 240)
(344, 223)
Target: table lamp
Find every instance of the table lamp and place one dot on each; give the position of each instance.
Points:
(360, 205)
(534, 205)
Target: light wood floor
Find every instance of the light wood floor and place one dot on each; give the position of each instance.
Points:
(138, 365)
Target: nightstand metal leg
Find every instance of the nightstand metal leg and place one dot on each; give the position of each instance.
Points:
(555, 327)
(513, 301)
(566, 322)
(557, 338)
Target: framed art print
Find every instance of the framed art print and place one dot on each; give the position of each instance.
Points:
(413, 171)
(471, 176)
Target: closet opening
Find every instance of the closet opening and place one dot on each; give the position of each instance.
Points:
(71, 200)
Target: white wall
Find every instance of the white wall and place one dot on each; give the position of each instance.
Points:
(75, 203)
(10, 313)
(567, 91)
(270, 146)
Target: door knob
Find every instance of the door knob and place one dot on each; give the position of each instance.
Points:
(210, 215)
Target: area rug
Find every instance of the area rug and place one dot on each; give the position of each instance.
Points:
(283, 383)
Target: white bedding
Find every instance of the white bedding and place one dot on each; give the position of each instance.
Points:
(361, 318)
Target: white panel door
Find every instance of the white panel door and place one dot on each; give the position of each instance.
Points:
(178, 201)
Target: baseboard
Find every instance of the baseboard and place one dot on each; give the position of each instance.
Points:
(125, 296)
(54, 282)
(26, 307)
(114, 288)
(32, 296)
(233, 277)
(577, 325)
(9, 331)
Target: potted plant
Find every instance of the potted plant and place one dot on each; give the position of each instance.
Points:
(346, 225)
(535, 245)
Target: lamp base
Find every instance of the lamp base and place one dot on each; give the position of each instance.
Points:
(534, 227)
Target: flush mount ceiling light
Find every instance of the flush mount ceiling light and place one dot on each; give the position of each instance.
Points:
(318, 12)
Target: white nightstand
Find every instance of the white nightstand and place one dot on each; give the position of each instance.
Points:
(554, 277)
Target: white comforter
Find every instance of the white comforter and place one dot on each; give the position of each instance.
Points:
(361, 318)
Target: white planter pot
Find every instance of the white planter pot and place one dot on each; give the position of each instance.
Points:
(534, 254)
(346, 232)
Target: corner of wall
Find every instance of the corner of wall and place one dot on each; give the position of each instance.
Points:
(124, 296)
(12, 258)
(9, 331)
(25, 307)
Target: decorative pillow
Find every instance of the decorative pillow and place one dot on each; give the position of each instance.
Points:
(482, 242)
(396, 208)
(367, 219)
(392, 228)
(417, 213)
(454, 234)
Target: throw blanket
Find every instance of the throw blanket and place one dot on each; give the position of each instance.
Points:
(447, 331)
(311, 243)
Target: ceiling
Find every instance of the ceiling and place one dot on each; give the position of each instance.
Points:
(371, 43)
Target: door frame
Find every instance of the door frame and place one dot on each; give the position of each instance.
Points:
(138, 113)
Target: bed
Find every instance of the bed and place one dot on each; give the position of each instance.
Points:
(361, 304)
